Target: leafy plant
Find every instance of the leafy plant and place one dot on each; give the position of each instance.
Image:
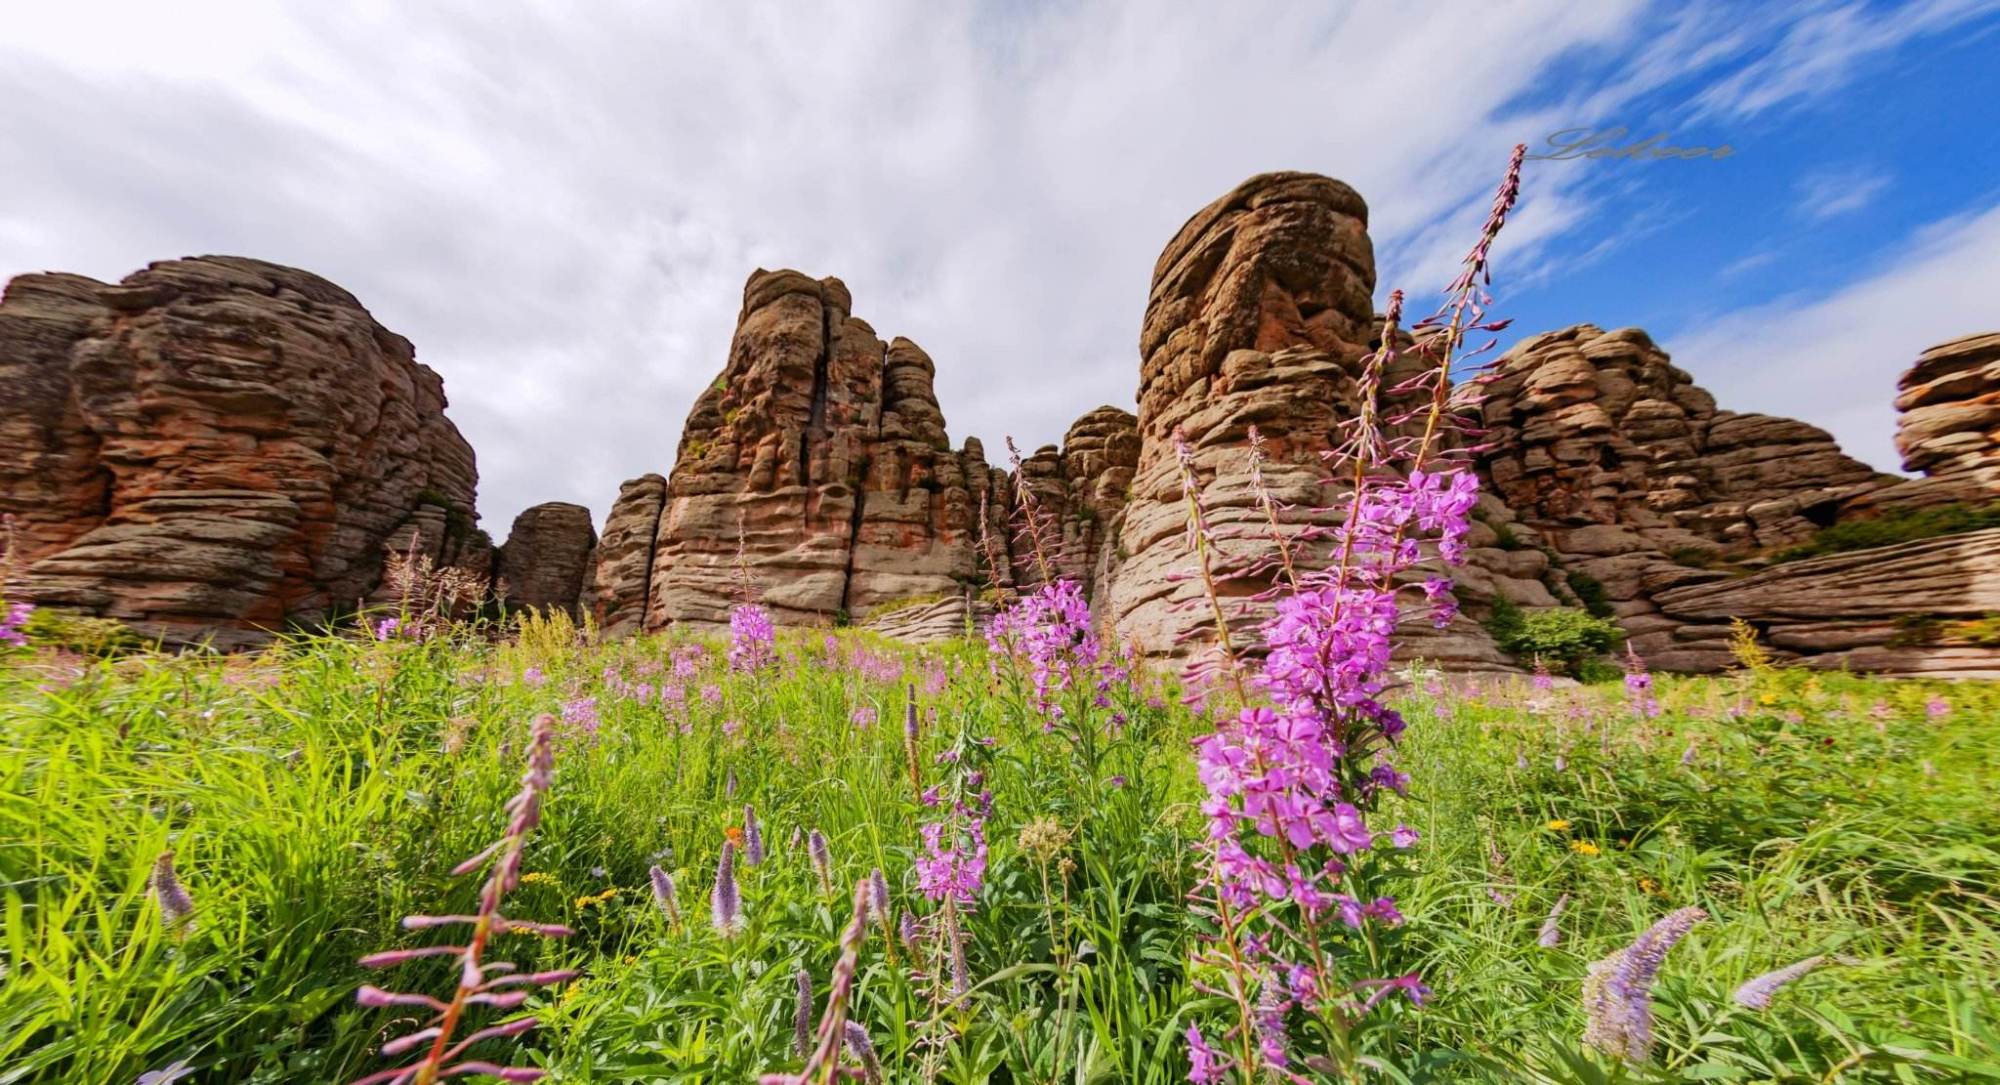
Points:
(1590, 592)
(1893, 527)
(1563, 637)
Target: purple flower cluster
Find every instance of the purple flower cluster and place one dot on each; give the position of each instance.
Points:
(1302, 772)
(753, 639)
(1618, 991)
(12, 620)
(954, 861)
(1639, 685)
(1051, 629)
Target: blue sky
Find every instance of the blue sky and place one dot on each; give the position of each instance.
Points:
(559, 204)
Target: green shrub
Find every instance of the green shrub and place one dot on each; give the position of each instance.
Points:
(1694, 557)
(1898, 526)
(1565, 638)
(1505, 539)
(1590, 592)
(98, 637)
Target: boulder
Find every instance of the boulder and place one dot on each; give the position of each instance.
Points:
(217, 448)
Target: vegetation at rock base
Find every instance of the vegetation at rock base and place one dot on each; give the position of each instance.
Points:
(315, 793)
(1566, 639)
(1893, 527)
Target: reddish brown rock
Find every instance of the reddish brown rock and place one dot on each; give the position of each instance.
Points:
(216, 447)
(1890, 609)
(822, 448)
(1079, 489)
(548, 559)
(1260, 307)
(1949, 428)
(624, 567)
(1588, 429)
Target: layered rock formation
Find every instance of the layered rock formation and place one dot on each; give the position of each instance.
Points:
(625, 556)
(1897, 609)
(1636, 481)
(1589, 428)
(814, 472)
(1259, 314)
(549, 559)
(1949, 428)
(1260, 307)
(217, 447)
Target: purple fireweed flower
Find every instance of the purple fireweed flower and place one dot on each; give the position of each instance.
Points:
(909, 931)
(13, 620)
(822, 860)
(176, 906)
(955, 869)
(753, 838)
(1618, 992)
(581, 714)
(726, 903)
(1411, 985)
(1937, 708)
(1756, 994)
(1273, 1042)
(752, 638)
(1204, 1066)
(664, 894)
(1687, 755)
(481, 982)
(1403, 836)
(863, 717)
(1444, 607)
(802, 1016)
(1551, 934)
(1543, 680)
(1639, 685)
(1051, 629)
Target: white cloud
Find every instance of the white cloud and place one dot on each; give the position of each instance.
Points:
(1821, 51)
(1825, 194)
(1834, 359)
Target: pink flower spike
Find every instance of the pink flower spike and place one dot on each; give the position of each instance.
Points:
(404, 1043)
(376, 998)
(504, 1073)
(425, 922)
(392, 958)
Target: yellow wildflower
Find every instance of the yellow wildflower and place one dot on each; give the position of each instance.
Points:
(1583, 847)
(1768, 699)
(536, 877)
(1560, 824)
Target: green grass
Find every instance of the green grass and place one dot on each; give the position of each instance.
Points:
(318, 792)
(1893, 527)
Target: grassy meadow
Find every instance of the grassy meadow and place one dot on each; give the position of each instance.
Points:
(314, 794)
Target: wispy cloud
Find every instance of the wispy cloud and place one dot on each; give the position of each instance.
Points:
(1827, 193)
(1835, 358)
(1817, 54)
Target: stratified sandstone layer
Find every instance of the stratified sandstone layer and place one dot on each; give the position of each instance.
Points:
(1889, 609)
(1636, 480)
(549, 558)
(820, 455)
(1260, 307)
(625, 556)
(1259, 315)
(216, 447)
(1949, 426)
